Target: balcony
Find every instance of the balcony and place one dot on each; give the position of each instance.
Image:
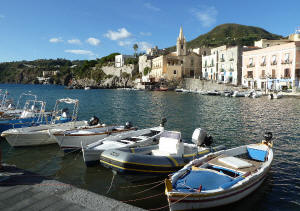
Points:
(286, 61)
(231, 59)
(274, 63)
(222, 60)
(231, 70)
(222, 70)
(250, 65)
(263, 64)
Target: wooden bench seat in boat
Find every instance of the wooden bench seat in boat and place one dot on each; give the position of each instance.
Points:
(254, 164)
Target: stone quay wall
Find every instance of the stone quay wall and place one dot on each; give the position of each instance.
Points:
(197, 84)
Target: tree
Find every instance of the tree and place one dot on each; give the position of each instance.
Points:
(135, 47)
(147, 70)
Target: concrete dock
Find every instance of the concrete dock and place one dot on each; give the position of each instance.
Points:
(23, 190)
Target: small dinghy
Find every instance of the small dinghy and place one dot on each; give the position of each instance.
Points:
(168, 156)
(220, 178)
(91, 153)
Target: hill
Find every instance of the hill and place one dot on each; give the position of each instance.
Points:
(230, 34)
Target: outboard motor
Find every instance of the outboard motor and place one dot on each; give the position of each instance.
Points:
(128, 125)
(268, 137)
(94, 121)
(163, 122)
(200, 137)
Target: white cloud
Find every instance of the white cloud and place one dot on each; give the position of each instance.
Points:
(151, 7)
(125, 43)
(145, 33)
(117, 35)
(74, 41)
(143, 46)
(80, 52)
(93, 41)
(56, 39)
(207, 15)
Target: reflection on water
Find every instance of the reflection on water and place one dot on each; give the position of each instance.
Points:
(231, 121)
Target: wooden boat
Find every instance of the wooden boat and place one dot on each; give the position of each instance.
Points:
(168, 156)
(91, 153)
(220, 178)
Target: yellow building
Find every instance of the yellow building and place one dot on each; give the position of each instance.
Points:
(178, 64)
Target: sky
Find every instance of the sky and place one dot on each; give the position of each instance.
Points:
(89, 29)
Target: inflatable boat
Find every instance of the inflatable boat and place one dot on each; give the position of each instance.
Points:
(170, 155)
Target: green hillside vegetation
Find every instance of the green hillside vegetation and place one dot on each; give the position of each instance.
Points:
(27, 71)
(230, 34)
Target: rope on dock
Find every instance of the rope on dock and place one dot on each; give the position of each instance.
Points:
(134, 186)
(148, 197)
(150, 188)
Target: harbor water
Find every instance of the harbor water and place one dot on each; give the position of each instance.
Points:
(231, 122)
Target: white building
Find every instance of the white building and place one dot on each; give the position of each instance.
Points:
(120, 59)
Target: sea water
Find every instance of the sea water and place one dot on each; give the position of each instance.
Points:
(231, 122)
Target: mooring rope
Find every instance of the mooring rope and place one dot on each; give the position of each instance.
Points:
(149, 188)
(148, 197)
(112, 180)
(159, 208)
(134, 186)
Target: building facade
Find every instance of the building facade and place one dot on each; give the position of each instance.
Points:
(224, 64)
(175, 65)
(272, 68)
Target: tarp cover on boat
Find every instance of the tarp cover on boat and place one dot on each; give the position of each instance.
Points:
(208, 179)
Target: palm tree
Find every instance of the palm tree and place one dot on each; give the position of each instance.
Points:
(135, 47)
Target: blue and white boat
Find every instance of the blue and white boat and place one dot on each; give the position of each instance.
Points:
(39, 133)
(220, 178)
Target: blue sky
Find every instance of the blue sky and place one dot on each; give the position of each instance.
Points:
(89, 29)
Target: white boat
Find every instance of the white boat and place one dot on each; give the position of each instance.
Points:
(220, 178)
(87, 88)
(274, 96)
(40, 135)
(91, 153)
(10, 111)
(71, 140)
(238, 94)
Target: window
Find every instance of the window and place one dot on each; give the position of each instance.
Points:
(192, 73)
(273, 60)
(181, 46)
(181, 62)
(263, 73)
(251, 61)
(287, 73)
(249, 74)
(174, 72)
(286, 58)
(192, 62)
(273, 73)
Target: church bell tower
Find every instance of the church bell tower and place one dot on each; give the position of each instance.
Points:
(181, 44)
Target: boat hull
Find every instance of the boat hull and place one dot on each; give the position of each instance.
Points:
(140, 161)
(68, 143)
(37, 139)
(185, 202)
